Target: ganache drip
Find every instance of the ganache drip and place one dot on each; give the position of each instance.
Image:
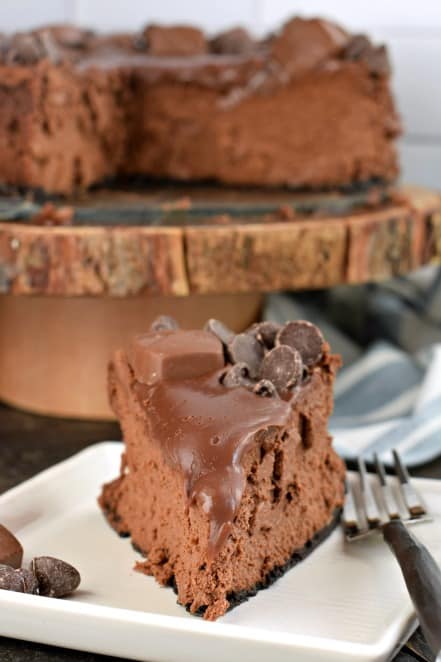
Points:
(205, 430)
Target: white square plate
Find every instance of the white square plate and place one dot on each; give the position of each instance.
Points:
(345, 602)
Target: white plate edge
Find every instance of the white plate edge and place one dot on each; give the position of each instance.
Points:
(173, 623)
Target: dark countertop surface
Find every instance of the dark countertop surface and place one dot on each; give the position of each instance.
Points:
(29, 444)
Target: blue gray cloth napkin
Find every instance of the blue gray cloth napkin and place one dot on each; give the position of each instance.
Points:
(388, 394)
(389, 399)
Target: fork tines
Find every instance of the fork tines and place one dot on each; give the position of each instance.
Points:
(377, 506)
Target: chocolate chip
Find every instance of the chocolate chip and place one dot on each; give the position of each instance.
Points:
(11, 579)
(236, 375)
(24, 49)
(233, 42)
(140, 43)
(18, 580)
(265, 332)
(219, 329)
(356, 47)
(283, 367)
(378, 61)
(55, 578)
(305, 338)
(29, 48)
(361, 49)
(11, 551)
(30, 582)
(265, 389)
(164, 323)
(244, 348)
(70, 36)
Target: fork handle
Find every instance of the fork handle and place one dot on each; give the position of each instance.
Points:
(423, 579)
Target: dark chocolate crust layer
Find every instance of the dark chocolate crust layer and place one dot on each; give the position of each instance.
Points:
(14, 194)
(238, 597)
(235, 599)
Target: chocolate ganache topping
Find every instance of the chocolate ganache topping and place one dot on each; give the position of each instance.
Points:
(186, 53)
(207, 394)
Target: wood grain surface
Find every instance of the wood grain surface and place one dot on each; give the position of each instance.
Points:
(286, 249)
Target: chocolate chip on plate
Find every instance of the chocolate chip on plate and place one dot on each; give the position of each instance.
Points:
(164, 323)
(244, 348)
(283, 367)
(30, 582)
(219, 330)
(265, 389)
(11, 551)
(18, 580)
(265, 332)
(305, 338)
(237, 375)
(11, 579)
(55, 578)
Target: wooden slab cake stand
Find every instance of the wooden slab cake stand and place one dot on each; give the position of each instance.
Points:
(71, 294)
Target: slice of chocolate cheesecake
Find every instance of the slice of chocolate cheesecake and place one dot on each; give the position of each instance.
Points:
(228, 476)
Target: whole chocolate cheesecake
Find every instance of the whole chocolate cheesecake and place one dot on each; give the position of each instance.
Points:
(308, 107)
(228, 476)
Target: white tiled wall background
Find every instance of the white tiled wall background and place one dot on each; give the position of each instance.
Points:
(411, 29)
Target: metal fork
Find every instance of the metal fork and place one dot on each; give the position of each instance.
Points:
(380, 510)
